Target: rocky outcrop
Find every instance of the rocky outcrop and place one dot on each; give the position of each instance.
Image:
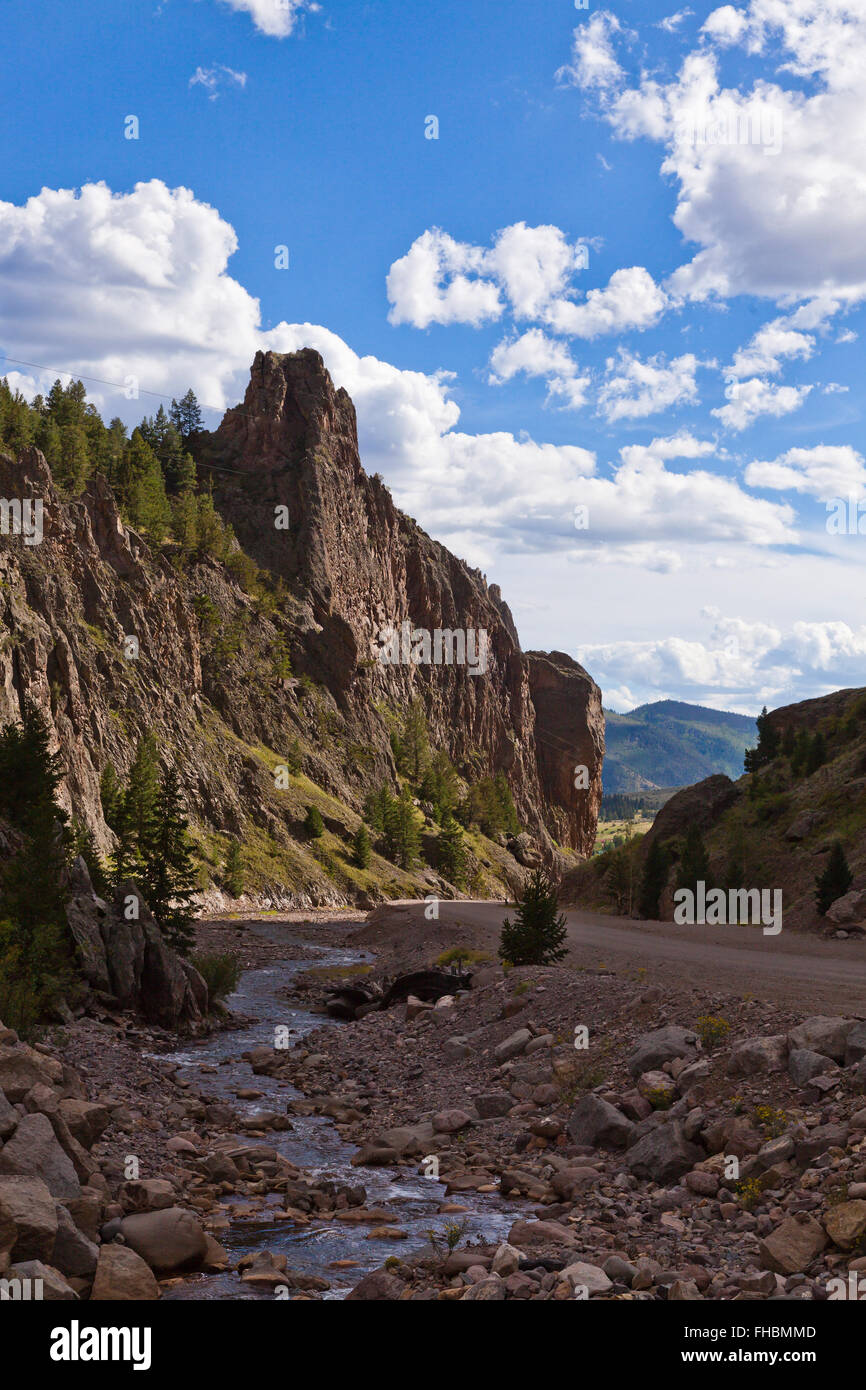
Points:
(362, 566)
(698, 806)
(124, 957)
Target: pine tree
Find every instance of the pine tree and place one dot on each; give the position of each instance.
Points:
(537, 936)
(452, 852)
(84, 845)
(186, 417)
(184, 522)
(694, 866)
(169, 879)
(402, 836)
(415, 742)
(36, 961)
(233, 871)
(135, 813)
(653, 881)
(361, 847)
(440, 785)
(835, 881)
(110, 795)
(377, 807)
(29, 773)
(768, 744)
(313, 824)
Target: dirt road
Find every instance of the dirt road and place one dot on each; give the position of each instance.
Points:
(821, 976)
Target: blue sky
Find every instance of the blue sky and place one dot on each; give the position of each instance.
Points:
(602, 343)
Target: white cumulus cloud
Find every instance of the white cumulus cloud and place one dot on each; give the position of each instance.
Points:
(276, 18)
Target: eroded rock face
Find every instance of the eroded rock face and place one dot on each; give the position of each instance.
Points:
(129, 960)
(352, 564)
(362, 566)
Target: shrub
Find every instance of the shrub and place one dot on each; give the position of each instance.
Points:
(313, 824)
(461, 955)
(220, 972)
(835, 881)
(712, 1031)
(35, 974)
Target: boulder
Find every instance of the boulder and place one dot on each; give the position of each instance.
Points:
(759, 1056)
(855, 1047)
(451, 1121)
(803, 826)
(598, 1124)
(507, 1260)
(87, 1121)
(657, 1087)
(456, 1050)
(168, 1240)
(845, 1224)
(493, 1105)
(692, 1075)
(158, 1194)
(792, 1247)
(487, 1290)
(8, 1118)
(166, 996)
(803, 1065)
(33, 1151)
(827, 1036)
(377, 1287)
(29, 1208)
(529, 1233)
(568, 1183)
(73, 1253)
(817, 1141)
(652, 1050)
(21, 1068)
(54, 1287)
(589, 1277)
(375, 1156)
(123, 1276)
(664, 1154)
(850, 908)
(513, 1045)
(85, 925)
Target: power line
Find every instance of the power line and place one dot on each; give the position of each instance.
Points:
(121, 386)
(117, 385)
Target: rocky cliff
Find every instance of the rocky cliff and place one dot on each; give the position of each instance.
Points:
(362, 567)
(351, 565)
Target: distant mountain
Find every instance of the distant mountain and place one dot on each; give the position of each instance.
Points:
(671, 744)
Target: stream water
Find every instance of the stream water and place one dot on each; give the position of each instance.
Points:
(314, 1144)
